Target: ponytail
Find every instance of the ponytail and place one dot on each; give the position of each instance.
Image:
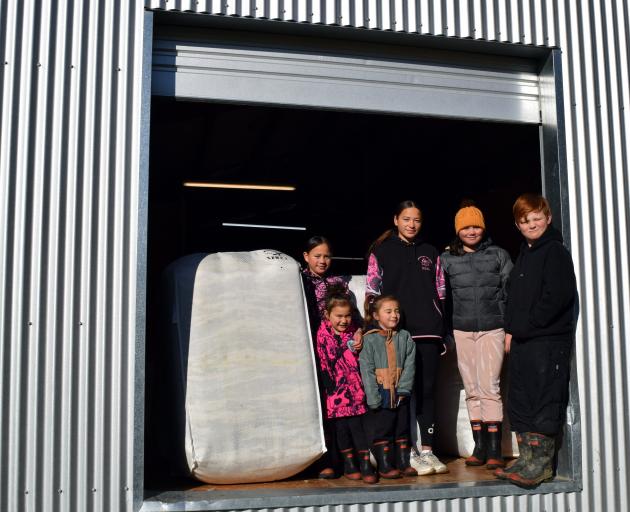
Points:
(384, 236)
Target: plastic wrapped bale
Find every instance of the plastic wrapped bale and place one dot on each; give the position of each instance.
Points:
(252, 404)
(356, 286)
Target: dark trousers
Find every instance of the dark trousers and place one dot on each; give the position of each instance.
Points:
(350, 433)
(331, 458)
(388, 424)
(427, 361)
(539, 384)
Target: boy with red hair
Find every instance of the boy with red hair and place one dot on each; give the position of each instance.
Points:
(539, 323)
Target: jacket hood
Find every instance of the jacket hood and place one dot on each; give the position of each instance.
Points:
(549, 235)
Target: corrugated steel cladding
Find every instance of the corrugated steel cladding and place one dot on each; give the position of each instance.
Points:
(69, 151)
(70, 102)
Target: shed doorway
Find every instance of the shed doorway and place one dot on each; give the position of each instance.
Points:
(348, 170)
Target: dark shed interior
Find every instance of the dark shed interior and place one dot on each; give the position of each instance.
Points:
(349, 171)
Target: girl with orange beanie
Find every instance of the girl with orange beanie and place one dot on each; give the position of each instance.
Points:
(477, 272)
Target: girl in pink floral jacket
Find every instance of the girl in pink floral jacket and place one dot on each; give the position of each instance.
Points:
(345, 405)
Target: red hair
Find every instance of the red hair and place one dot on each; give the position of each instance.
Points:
(527, 203)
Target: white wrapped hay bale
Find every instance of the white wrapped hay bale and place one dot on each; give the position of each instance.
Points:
(252, 405)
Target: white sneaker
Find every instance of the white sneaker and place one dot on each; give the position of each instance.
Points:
(420, 464)
(430, 459)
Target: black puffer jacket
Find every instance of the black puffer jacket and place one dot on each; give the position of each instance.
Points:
(477, 282)
(542, 290)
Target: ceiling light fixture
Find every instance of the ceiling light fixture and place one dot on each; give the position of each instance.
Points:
(239, 186)
(262, 226)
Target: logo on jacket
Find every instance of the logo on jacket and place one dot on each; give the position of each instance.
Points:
(425, 263)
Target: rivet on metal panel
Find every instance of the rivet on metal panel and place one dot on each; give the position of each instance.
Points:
(25, 492)
(30, 323)
(60, 491)
(80, 323)
(93, 489)
(39, 64)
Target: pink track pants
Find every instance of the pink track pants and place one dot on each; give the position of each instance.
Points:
(479, 359)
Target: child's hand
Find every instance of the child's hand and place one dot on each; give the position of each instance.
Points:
(358, 340)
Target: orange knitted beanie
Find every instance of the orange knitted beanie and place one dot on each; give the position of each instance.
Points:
(469, 216)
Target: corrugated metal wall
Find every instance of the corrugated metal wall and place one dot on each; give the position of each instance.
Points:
(70, 107)
(594, 36)
(69, 150)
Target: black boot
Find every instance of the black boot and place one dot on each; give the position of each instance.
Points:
(524, 454)
(540, 466)
(382, 453)
(478, 457)
(494, 458)
(350, 468)
(403, 451)
(365, 467)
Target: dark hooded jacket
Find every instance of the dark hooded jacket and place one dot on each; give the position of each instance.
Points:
(411, 272)
(542, 290)
(477, 281)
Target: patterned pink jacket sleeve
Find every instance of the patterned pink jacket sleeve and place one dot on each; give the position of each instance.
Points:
(322, 351)
(440, 280)
(374, 280)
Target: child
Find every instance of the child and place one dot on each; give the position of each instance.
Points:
(539, 323)
(387, 367)
(401, 264)
(317, 282)
(343, 390)
(477, 272)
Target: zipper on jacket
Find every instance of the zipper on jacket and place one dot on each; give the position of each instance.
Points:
(475, 295)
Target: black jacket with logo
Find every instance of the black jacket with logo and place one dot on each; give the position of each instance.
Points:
(542, 290)
(412, 273)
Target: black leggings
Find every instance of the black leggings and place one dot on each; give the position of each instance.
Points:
(350, 433)
(388, 424)
(427, 361)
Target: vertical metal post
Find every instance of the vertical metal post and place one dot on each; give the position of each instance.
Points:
(141, 265)
(555, 188)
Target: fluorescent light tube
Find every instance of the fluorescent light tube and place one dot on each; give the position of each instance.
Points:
(262, 226)
(203, 184)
